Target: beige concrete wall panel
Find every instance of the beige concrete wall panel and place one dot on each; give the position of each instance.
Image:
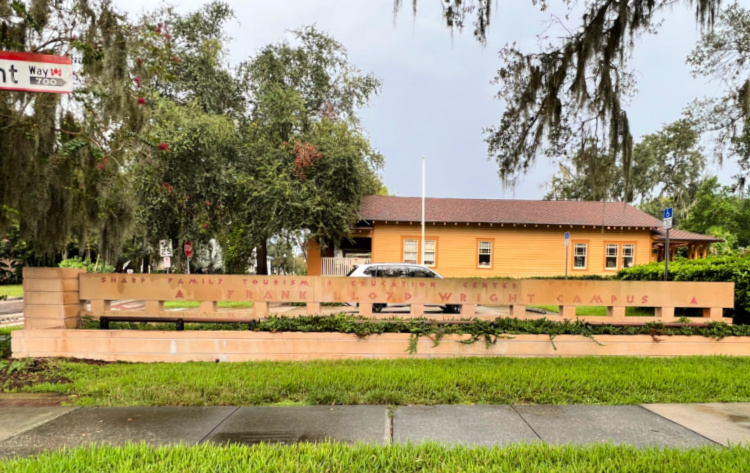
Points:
(159, 287)
(52, 273)
(628, 293)
(50, 298)
(51, 311)
(237, 346)
(50, 285)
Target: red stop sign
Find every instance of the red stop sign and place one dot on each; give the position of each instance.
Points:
(188, 249)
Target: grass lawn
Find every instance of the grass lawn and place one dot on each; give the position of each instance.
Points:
(196, 304)
(362, 458)
(11, 290)
(594, 380)
(600, 310)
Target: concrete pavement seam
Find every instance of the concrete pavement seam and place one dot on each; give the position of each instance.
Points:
(526, 422)
(41, 423)
(390, 414)
(217, 426)
(680, 425)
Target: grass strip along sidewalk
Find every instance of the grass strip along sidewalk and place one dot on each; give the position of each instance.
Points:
(594, 380)
(332, 457)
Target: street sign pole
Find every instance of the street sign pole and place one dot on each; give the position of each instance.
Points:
(666, 259)
(667, 225)
(567, 245)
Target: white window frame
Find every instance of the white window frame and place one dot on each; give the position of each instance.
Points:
(631, 246)
(408, 252)
(585, 255)
(427, 251)
(607, 256)
(484, 251)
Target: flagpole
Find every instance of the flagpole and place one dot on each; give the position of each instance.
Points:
(423, 192)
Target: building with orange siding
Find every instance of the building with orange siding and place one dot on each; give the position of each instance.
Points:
(503, 238)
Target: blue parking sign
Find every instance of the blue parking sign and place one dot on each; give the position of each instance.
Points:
(567, 235)
(668, 213)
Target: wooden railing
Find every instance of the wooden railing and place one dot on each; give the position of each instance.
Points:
(340, 266)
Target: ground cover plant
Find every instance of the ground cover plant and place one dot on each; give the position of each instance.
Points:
(196, 304)
(336, 457)
(475, 330)
(496, 380)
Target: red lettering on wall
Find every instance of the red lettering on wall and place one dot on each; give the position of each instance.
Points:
(407, 296)
(463, 297)
(275, 282)
(255, 281)
(432, 284)
(512, 298)
(220, 281)
(694, 301)
(596, 299)
(104, 279)
(268, 295)
(124, 280)
(305, 283)
(577, 299)
(373, 295)
(179, 294)
(303, 295)
(168, 280)
(354, 283)
(244, 282)
(466, 284)
(248, 294)
(630, 299)
(559, 299)
(613, 299)
(644, 299)
(531, 297)
(143, 280)
(179, 282)
(229, 293)
(493, 297)
(265, 282)
(389, 294)
(193, 281)
(285, 294)
(444, 296)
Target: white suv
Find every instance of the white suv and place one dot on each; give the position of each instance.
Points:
(397, 270)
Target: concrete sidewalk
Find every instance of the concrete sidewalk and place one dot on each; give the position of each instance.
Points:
(31, 430)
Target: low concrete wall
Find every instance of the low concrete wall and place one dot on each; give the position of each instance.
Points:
(158, 346)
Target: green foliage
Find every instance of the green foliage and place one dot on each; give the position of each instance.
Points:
(88, 265)
(723, 55)
(732, 268)
(410, 381)
(308, 457)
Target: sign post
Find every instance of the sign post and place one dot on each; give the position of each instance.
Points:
(188, 253)
(567, 245)
(667, 225)
(165, 251)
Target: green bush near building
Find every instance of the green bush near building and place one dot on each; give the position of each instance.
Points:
(733, 268)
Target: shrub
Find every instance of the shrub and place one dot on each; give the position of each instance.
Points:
(88, 265)
(733, 268)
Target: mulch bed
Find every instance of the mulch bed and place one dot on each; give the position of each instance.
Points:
(33, 372)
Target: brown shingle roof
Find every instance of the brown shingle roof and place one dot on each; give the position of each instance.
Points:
(683, 235)
(409, 209)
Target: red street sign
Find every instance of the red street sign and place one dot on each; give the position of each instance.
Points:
(36, 72)
(188, 249)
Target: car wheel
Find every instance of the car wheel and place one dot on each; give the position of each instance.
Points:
(377, 308)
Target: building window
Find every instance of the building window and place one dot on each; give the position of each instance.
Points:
(411, 251)
(610, 258)
(628, 255)
(485, 254)
(430, 247)
(579, 255)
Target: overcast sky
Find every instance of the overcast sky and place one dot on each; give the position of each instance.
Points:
(437, 96)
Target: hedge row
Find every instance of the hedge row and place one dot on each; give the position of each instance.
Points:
(734, 269)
